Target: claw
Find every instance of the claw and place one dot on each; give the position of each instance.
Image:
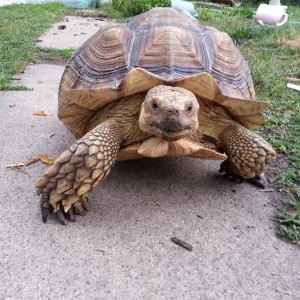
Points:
(256, 181)
(80, 210)
(234, 178)
(223, 167)
(85, 203)
(60, 217)
(45, 212)
(70, 215)
(237, 179)
(45, 207)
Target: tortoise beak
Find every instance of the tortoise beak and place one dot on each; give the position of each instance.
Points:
(172, 124)
(172, 127)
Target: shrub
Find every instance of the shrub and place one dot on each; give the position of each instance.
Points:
(134, 7)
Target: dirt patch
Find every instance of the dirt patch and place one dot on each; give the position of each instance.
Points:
(281, 163)
(293, 43)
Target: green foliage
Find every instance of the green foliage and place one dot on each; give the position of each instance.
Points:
(291, 232)
(252, 2)
(134, 7)
(53, 54)
(288, 177)
(20, 26)
(250, 32)
(19, 88)
(112, 12)
(244, 12)
(290, 221)
(257, 2)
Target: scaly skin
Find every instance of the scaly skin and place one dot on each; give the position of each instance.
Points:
(248, 154)
(65, 185)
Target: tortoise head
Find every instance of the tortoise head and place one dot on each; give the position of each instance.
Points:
(169, 112)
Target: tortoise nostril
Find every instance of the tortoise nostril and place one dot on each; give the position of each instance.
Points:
(172, 111)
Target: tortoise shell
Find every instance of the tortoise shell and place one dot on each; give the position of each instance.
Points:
(161, 46)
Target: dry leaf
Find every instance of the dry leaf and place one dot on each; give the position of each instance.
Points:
(46, 159)
(42, 113)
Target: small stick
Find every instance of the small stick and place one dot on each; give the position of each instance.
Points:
(287, 293)
(31, 161)
(181, 243)
(15, 165)
(292, 79)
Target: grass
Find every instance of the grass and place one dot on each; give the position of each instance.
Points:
(131, 8)
(20, 26)
(270, 58)
(53, 54)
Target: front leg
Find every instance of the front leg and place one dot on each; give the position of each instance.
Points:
(248, 154)
(64, 186)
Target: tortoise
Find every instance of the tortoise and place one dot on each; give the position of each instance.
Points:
(159, 85)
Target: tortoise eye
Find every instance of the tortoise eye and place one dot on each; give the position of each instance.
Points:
(154, 105)
(189, 107)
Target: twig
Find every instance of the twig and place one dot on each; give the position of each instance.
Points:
(291, 79)
(182, 243)
(287, 293)
(31, 161)
(16, 167)
(288, 192)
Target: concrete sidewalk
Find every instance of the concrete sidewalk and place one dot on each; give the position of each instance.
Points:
(122, 248)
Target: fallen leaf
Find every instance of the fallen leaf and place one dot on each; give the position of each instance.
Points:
(46, 159)
(42, 113)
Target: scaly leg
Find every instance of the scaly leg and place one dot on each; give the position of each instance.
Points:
(248, 154)
(64, 186)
